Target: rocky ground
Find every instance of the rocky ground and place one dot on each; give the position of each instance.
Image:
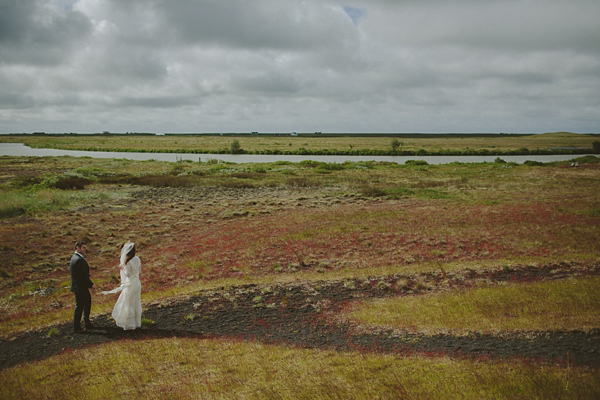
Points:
(306, 315)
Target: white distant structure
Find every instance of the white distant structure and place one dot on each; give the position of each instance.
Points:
(294, 134)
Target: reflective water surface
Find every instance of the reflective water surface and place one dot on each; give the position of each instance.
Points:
(19, 149)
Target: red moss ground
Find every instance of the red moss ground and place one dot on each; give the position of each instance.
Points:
(200, 234)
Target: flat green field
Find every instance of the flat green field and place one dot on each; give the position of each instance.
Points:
(318, 144)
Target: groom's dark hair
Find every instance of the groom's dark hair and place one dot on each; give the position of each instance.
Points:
(79, 244)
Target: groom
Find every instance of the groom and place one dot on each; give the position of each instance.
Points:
(80, 285)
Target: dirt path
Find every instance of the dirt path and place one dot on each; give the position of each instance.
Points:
(301, 314)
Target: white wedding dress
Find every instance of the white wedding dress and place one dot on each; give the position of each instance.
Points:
(127, 312)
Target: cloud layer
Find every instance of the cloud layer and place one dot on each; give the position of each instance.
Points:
(316, 65)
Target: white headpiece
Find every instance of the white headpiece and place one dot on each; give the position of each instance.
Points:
(127, 247)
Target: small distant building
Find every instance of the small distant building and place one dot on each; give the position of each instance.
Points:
(293, 134)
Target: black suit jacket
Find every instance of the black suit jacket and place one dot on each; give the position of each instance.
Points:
(80, 274)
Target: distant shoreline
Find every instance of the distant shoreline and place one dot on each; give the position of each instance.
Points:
(300, 134)
(319, 144)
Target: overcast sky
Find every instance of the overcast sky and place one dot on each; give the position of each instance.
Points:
(289, 65)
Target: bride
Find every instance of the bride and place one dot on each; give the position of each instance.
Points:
(127, 312)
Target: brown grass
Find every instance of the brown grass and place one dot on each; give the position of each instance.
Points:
(216, 369)
(573, 304)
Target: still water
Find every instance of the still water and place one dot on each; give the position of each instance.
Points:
(19, 149)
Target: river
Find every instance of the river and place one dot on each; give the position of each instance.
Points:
(19, 149)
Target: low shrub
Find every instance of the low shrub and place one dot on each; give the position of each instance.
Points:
(25, 181)
(64, 182)
(11, 211)
(416, 162)
(587, 160)
(70, 182)
(95, 172)
(534, 163)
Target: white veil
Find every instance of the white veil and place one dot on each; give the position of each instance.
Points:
(127, 247)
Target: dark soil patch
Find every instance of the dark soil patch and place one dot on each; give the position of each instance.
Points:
(301, 314)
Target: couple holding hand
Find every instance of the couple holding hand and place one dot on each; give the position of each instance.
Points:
(127, 311)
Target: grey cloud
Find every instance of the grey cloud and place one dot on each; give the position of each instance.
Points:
(15, 101)
(271, 24)
(30, 33)
(155, 101)
(131, 64)
(269, 82)
(509, 25)
(208, 65)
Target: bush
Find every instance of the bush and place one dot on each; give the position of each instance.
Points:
(396, 144)
(587, 159)
(25, 181)
(12, 211)
(93, 172)
(235, 147)
(64, 182)
(309, 163)
(70, 182)
(416, 162)
(534, 163)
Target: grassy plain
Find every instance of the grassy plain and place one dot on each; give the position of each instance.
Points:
(568, 305)
(218, 369)
(211, 225)
(314, 143)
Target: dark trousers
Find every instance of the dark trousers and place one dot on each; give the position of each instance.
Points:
(83, 305)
